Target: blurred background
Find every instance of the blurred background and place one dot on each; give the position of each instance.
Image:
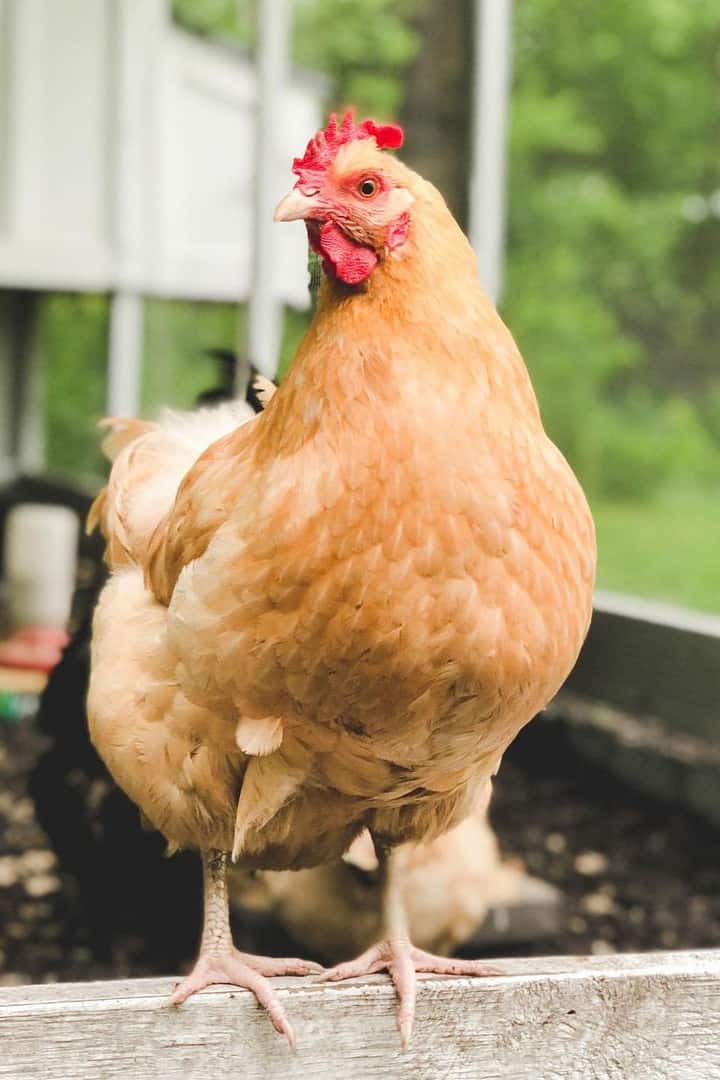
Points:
(128, 156)
(143, 144)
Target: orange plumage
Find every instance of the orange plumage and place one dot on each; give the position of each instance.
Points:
(357, 598)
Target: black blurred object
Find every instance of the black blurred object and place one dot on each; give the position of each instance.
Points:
(123, 885)
(228, 363)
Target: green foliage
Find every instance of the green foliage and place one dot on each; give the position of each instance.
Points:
(296, 323)
(176, 366)
(612, 283)
(710, 410)
(216, 18)
(644, 445)
(73, 340)
(364, 47)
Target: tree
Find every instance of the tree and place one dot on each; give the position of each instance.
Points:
(612, 283)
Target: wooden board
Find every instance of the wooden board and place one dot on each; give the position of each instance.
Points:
(655, 660)
(643, 699)
(646, 1017)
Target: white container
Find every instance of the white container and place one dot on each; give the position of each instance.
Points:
(40, 561)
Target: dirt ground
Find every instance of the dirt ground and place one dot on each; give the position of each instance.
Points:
(636, 874)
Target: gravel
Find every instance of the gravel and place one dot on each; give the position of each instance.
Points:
(637, 874)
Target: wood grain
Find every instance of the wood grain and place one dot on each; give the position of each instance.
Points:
(645, 1017)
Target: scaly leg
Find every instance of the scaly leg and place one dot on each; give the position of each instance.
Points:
(220, 962)
(398, 956)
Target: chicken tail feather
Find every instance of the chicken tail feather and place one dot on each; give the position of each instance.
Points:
(268, 783)
(96, 512)
(121, 432)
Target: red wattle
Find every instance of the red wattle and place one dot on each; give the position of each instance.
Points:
(350, 262)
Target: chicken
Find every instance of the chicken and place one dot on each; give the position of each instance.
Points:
(356, 599)
(447, 884)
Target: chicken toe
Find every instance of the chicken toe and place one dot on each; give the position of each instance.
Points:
(402, 960)
(250, 972)
(221, 963)
(398, 956)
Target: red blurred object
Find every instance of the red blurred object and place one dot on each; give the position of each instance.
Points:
(37, 647)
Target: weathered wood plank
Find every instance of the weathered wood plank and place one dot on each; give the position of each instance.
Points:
(643, 698)
(651, 1017)
(652, 659)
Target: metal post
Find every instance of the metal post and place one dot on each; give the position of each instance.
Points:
(125, 352)
(265, 324)
(491, 93)
(137, 30)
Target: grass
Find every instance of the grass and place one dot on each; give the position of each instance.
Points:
(665, 550)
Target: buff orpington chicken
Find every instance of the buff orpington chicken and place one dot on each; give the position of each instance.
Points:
(351, 603)
(448, 886)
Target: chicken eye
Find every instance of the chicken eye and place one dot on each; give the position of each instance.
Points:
(367, 187)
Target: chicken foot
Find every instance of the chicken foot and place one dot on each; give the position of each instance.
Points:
(220, 962)
(396, 954)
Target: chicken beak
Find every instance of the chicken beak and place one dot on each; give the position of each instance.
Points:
(295, 207)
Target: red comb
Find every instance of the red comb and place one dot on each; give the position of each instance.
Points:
(322, 148)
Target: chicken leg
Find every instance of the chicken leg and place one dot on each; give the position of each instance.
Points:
(396, 954)
(220, 962)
